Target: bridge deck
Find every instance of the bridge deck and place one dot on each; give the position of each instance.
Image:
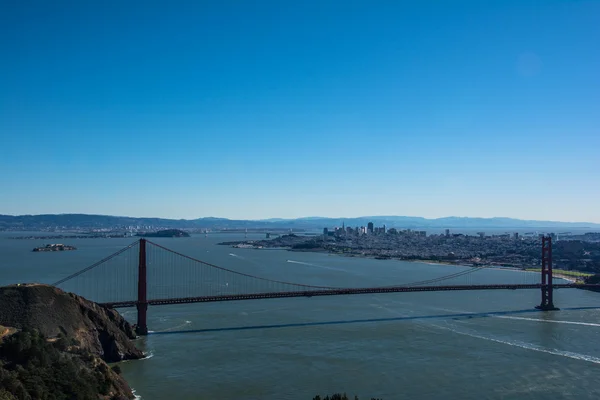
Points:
(340, 292)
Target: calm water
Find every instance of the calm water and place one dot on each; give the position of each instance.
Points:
(411, 345)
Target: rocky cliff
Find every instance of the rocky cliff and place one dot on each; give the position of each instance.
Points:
(52, 312)
(56, 343)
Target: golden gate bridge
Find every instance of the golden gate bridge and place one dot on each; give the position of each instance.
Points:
(148, 274)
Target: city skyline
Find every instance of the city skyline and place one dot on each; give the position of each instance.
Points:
(268, 109)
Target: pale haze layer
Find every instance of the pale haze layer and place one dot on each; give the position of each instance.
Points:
(288, 109)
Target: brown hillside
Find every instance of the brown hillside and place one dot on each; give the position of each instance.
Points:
(99, 330)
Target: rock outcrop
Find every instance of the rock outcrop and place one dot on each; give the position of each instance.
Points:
(33, 366)
(98, 330)
(55, 344)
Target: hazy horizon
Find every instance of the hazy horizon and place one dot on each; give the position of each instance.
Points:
(309, 108)
(302, 217)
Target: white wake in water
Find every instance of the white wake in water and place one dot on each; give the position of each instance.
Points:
(546, 320)
(185, 323)
(527, 346)
(514, 343)
(316, 265)
(519, 318)
(301, 262)
(244, 259)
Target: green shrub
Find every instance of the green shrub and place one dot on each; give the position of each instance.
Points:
(33, 368)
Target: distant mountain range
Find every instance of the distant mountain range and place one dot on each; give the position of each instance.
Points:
(87, 221)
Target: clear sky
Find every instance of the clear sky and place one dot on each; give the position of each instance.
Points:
(257, 109)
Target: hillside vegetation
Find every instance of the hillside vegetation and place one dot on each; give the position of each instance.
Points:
(56, 345)
(33, 367)
(52, 312)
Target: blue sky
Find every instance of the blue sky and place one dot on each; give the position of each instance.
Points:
(264, 109)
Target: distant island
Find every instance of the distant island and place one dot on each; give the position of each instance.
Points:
(55, 247)
(165, 233)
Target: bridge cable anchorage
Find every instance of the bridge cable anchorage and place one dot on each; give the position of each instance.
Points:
(96, 264)
(242, 273)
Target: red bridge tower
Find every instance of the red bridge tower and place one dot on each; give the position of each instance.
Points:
(547, 303)
(142, 300)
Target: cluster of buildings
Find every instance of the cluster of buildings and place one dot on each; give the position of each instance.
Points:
(508, 249)
(370, 229)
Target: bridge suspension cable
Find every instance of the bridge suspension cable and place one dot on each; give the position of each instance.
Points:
(442, 278)
(306, 286)
(96, 264)
(173, 275)
(301, 285)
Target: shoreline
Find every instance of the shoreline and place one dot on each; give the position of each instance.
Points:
(421, 261)
(386, 258)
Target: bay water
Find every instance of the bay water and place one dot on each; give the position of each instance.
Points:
(468, 345)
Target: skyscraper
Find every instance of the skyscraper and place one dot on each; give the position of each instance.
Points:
(370, 227)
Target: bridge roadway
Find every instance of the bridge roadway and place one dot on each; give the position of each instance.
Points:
(339, 292)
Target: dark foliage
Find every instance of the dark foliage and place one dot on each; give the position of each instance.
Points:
(31, 367)
(577, 254)
(165, 233)
(70, 319)
(310, 244)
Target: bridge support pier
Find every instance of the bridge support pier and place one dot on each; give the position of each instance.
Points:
(142, 325)
(547, 303)
(142, 301)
